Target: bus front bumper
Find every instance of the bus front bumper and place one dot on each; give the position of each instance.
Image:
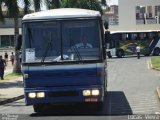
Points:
(69, 94)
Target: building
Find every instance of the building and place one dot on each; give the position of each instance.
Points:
(7, 29)
(112, 15)
(137, 15)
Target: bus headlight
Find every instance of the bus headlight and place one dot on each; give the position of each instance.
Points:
(40, 94)
(32, 95)
(86, 92)
(95, 92)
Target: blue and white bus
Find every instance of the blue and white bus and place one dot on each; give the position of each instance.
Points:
(54, 69)
(123, 43)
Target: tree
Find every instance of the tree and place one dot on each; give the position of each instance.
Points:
(1, 14)
(85, 4)
(36, 4)
(103, 2)
(51, 4)
(13, 12)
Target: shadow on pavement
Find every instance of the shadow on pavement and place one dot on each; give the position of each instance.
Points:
(118, 104)
(115, 104)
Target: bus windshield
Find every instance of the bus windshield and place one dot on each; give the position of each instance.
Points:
(58, 41)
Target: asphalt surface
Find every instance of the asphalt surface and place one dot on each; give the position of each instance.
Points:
(137, 82)
(131, 94)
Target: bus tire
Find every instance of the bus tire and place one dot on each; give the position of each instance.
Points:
(156, 51)
(120, 53)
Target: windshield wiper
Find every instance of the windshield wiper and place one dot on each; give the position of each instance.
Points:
(49, 45)
(77, 52)
(75, 49)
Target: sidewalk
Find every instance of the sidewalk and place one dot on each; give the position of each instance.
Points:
(11, 90)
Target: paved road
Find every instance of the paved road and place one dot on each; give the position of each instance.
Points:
(131, 87)
(134, 86)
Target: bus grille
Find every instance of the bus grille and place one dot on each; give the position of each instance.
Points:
(63, 94)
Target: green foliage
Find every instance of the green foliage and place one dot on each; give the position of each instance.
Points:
(1, 14)
(27, 6)
(56, 3)
(129, 46)
(37, 4)
(11, 76)
(52, 4)
(103, 2)
(155, 61)
(84, 4)
(12, 6)
(49, 4)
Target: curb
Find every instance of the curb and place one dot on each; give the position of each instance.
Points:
(158, 92)
(9, 100)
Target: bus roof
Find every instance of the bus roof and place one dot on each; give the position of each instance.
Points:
(134, 31)
(61, 13)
